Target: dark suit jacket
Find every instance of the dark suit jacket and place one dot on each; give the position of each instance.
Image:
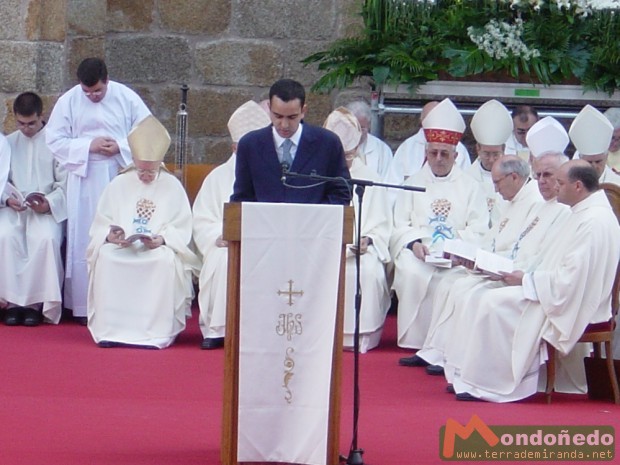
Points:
(258, 173)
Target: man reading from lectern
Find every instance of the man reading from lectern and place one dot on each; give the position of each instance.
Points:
(265, 156)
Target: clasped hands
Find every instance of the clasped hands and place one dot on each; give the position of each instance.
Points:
(116, 235)
(38, 205)
(105, 146)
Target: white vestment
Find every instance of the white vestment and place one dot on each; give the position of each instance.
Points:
(495, 202)
(525, 226)
(451, 206)
(514, 147)
(74, 123)
(376, 224)
(5, 162)
(609, 176)
(410, 157)
(29, 241)
(376, 154)
(136, 295)
(498, 349)
(208, 222)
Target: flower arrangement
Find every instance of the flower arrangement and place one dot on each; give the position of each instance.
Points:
(538, 41)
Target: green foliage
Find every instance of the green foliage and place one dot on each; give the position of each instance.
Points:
(414, 41)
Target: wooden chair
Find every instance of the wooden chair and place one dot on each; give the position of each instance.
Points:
(597, 333)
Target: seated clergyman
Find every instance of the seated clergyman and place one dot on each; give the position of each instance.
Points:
(140, 290)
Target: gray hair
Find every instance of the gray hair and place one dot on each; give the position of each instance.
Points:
(359, 108)
(509, 165)
(613, 115)
(559, 156)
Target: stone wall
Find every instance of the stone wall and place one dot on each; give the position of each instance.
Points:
(226, 51)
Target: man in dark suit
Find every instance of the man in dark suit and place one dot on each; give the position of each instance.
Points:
(265, 154)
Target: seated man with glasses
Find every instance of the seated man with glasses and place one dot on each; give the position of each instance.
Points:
(87, 133)
(140, 287)
(32, 220)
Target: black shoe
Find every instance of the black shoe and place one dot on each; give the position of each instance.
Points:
(450, 389)
(13, 316)
(81, 320)
(209, 343)
(434, 370)
(467, 397)
(32, 317)
(413, 361)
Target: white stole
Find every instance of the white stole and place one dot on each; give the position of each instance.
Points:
(286, 337)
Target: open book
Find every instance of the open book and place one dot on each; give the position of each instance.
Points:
(139, 237)
(492, 264)
(33, 197)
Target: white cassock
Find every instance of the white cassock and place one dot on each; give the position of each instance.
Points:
(30, 242)
(517, 235)
(409, 159)
(452, 206)
(497, 352)
(74, 123)
(208, 222)
(495, 202)
(514, 147)
(5, 163)
(376, 155)
(376, 224)
(136, 295)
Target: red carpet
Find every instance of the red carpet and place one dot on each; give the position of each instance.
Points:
(67, 402)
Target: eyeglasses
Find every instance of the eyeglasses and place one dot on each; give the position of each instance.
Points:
(141, 171)
(94, 93)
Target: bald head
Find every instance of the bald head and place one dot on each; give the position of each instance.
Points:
(427, 108)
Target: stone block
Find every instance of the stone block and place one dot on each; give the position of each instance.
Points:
(239, 63)
(209, 110)
(46, 21)
(209, 17)
(213, 150)
(149, 59)
(297, 51)
(124, 16)
(319, 107)
(350, 22)
(50, 72)
(79, 49)
(285, 19)
(18, 67)
(12, 24)
(86, 17)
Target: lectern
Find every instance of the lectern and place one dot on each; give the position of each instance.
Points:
(232, 233)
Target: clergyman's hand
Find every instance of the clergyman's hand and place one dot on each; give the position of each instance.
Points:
(219, 242)
(514, 278)
(153, 242)
(420, 250)
(39, 204)
(117, 236)
(104, 146)
(15, 204)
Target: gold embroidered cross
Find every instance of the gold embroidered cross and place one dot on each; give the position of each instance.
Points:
(290, 292)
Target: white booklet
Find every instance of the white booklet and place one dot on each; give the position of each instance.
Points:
(492, 264)
(460, 248)
(438, 261)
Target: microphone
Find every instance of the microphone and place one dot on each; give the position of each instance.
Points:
(285, 169)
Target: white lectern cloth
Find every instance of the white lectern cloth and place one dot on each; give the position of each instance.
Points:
(286, 340)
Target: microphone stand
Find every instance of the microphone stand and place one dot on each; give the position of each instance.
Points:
(355, 453)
